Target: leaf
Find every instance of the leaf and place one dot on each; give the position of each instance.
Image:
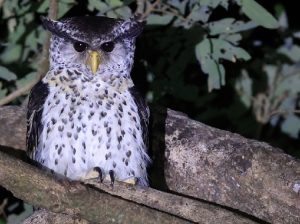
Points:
(231, 38)
(214, 3)
(291, 125)
(223, 49)
(115, 3)
(3, 92)
(200, 13)
(180, 5)
(124, 12)
(159, 20)
(215, 71)
(64, 6)
(11, 54)
(270, 70)
(209, 51)
(244, 84)
(283, 20)
(6, 74)
(297, 34)
(258, 14)
(96, 4)
(228, 25)
(293, 53)
(42, 8)
(291, 84)
(27, 79)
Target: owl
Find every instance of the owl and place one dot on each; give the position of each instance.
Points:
(86, 114)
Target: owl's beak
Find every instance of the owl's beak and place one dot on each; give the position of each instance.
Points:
(94, 61)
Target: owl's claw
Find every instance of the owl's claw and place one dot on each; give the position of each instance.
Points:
(112, 178)
(97, 169)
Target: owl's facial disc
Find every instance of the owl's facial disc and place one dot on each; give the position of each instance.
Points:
(94, 61)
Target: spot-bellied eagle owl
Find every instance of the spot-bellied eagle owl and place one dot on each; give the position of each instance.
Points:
(86, 113)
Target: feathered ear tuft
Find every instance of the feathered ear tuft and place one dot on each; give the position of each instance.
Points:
(55, 27)
(133, 27)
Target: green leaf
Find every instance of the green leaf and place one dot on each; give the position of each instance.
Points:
(231, 38)
(223, 49)
(271, 71)
(291, 125)
(115, 3)
(200, 13)
(293, 53)
(11, 54)
(124, 12)
(43, 7)
(244, 85)
(96, 4)
(228, 25)
(159, 20)
(290, 84)
(64, 6)
(214, 3)
(258, 14)
(215, 71)
(6, 74)
(3, 92)
(27, 79)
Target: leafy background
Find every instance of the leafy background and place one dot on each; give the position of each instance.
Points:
(233, 65)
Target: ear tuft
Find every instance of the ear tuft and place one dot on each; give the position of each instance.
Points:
(55, 27)
(133, 26)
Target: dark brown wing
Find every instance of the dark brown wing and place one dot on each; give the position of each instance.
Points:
(36, 102)
(143, 111)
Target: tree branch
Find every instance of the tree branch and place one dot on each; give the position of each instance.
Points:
(206, 163)
(71, 197)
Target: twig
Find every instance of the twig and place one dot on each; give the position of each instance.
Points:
(284, 112)
(149, 9)
(2, 206)
(1, 3)
(17, 93)
(43, 62)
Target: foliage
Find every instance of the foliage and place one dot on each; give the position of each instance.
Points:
(182, 32)
(252, 73)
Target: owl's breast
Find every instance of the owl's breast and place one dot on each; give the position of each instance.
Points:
(91, 123)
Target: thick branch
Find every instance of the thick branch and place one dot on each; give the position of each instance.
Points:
(44, 216)
(72, 198)
(218, 166)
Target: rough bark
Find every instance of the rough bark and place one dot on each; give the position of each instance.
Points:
(58, 194)
(228, 169)
(218, 166)
(44, 216)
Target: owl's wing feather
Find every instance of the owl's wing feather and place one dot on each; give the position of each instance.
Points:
(36, 102)
(143, 111)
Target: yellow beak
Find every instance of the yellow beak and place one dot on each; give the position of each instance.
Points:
(94, 61)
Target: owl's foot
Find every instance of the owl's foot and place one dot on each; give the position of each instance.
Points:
(131, 180)
(97, 169)
(97, 172)
(112, 177)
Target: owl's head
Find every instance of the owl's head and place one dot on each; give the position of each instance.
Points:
(95, 44)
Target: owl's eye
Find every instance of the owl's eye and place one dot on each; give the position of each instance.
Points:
(108, 46)
(79, 46)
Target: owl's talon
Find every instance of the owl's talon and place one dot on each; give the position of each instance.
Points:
(112, 178)
(97, 169)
